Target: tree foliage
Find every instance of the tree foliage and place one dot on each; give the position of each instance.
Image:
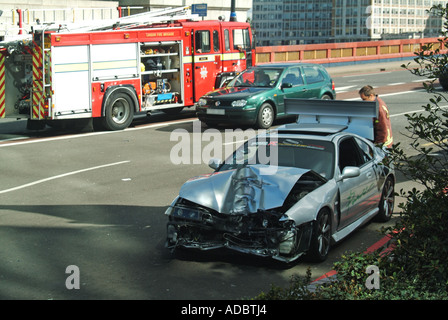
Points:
(431, 63)
(422, 244)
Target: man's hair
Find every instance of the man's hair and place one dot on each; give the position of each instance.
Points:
(367, 91)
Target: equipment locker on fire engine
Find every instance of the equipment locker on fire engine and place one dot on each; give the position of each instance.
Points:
(161, 74)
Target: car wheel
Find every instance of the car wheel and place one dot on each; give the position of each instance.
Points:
(321, 237)
(326, 97)
(265, 116)
(386, 205)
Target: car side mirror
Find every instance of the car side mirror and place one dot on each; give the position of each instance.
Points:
(286, 85)
(350, 172)
(214, 163)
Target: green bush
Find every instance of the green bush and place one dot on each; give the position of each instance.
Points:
(350, 283)
(422, 242)
(394, 282)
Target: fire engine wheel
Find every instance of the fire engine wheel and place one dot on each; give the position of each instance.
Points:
(119, 112)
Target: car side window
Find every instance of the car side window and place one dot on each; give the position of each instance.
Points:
(349, 154)
(312, 75)
(293, 76)
(366, 150)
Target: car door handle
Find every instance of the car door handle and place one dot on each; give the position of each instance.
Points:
(369, 175)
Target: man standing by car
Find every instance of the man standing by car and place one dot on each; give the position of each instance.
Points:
(381, 125)
(261, 79)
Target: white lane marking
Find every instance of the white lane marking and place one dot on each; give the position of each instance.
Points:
(415, 111)
(61, 176)
(344, 88)
(367, 74)
(356, 80)
(74, 136)
(423, 80)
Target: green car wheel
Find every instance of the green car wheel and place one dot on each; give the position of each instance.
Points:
(265, 116)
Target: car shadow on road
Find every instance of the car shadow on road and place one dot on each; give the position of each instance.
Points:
(113, 246)
(121, 254)
(231, 257)
(197, 126)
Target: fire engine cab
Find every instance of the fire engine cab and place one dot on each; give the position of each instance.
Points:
(112, 73)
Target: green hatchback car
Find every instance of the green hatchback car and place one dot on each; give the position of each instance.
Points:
(256, 96)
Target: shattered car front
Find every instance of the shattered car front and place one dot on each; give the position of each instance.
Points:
(245, 206)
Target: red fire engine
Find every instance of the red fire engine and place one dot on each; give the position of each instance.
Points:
(111, 74)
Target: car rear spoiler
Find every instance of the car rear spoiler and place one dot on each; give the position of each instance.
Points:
(357, 116)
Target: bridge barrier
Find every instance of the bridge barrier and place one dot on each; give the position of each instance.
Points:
(347, 52)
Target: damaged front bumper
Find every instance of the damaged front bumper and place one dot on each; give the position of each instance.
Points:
(265, 233)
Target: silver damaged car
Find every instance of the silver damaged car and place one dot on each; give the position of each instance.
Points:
(292, 191)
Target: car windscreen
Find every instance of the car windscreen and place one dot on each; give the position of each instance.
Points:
(257, 77)
(310, 154)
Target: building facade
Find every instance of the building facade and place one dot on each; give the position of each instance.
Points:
(86, 11)
(288, 22)
(215, 8)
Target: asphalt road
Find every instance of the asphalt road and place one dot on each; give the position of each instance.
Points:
(96, 201)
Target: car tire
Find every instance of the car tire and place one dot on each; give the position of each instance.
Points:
(386, 205)
(326, 97)
(265, 117)
(321, 237)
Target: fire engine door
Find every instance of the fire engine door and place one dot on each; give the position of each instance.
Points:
(207, 62)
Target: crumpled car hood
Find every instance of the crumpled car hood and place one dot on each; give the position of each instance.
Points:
(243, 190)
